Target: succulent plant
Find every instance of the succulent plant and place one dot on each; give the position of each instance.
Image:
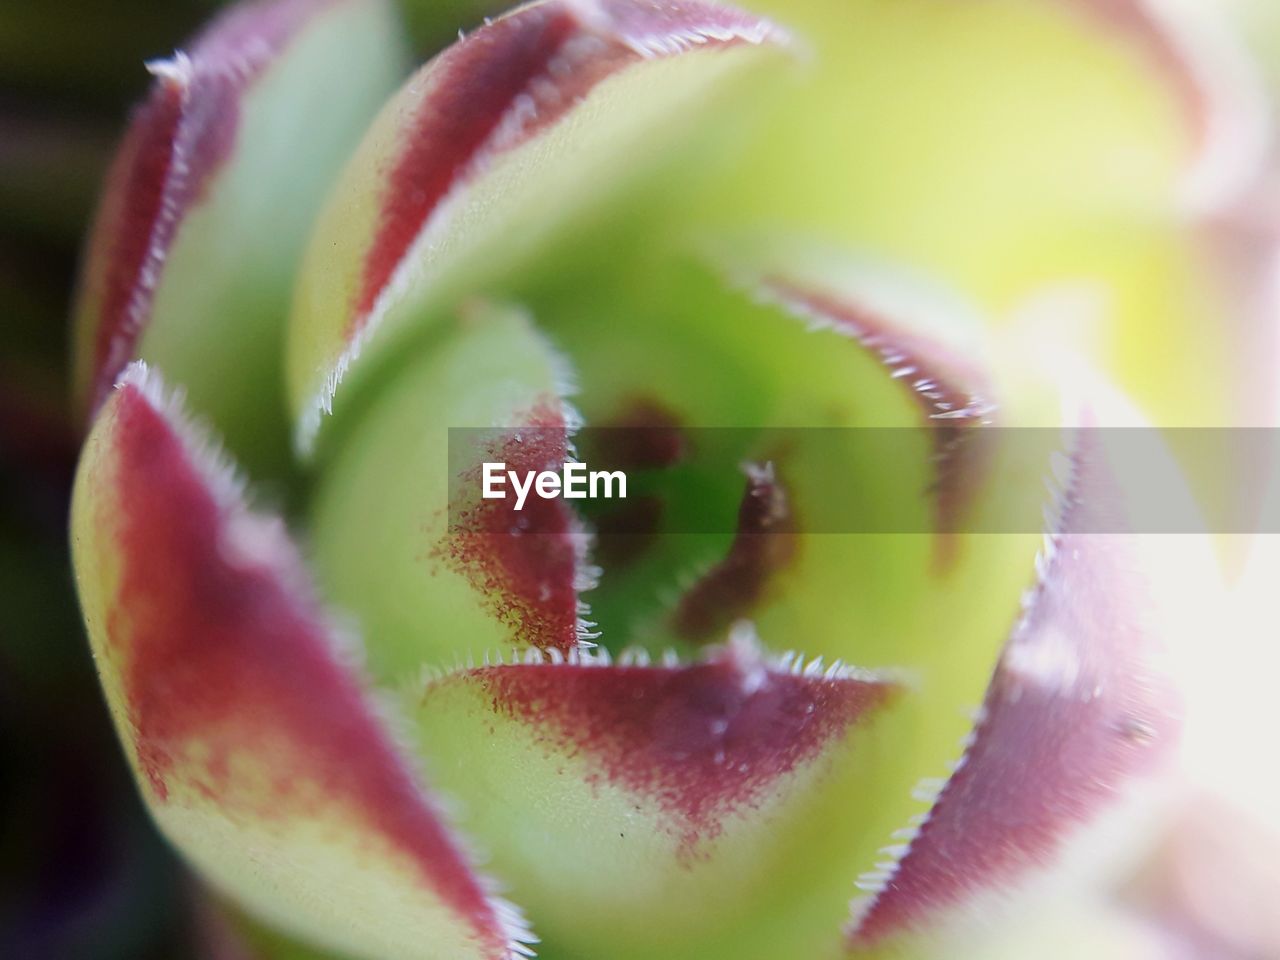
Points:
(384, 726)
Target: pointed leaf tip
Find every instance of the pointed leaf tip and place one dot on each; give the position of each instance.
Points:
(440, 571)
(210, 198)
(1211, 77)
(646, 809)
(257, 749)
(913, 343)
(696, 742)
(177, 141)
(764, 543)
(527, 562)
(448, 185)
(1079, 705)
(507, 82)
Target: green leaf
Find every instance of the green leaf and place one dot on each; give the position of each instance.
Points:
(211, 198)
(707, 810)
(492, 151)
(257, 748)
(392, 544)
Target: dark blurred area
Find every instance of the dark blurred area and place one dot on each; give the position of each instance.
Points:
(82, 872)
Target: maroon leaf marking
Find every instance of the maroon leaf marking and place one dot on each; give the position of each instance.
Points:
(1076, 708)
(178, 140)
(526, 564)
(224, 652)
(944, 386)
(512, 79)
(699, 742)
(763, 544)
(643, 435)
(1214, 82)
(1135, 21)
(623, 534)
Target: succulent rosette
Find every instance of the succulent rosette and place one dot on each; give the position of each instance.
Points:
(382, 725)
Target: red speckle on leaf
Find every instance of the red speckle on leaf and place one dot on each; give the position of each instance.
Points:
(177, 141)
(223, 653)
(507, 82)
(763, 544)
(524, 563)
(1077, 707)
(699, 742)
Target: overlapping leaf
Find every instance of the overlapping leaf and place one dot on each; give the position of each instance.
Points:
(210, 200)
(258, 751)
